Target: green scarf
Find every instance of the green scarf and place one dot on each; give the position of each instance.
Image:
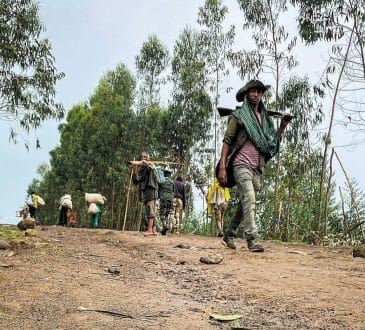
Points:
(265, 138)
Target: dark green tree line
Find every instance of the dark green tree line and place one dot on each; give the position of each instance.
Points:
(94, 149)
(119, 121)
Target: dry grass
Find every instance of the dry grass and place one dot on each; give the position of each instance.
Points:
(9, 233)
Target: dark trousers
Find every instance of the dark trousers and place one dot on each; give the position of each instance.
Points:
(33, 212)
(63, 216)
(166, 208)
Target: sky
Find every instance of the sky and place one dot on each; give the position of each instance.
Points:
(90, 37)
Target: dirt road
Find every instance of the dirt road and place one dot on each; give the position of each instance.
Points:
(157, 285)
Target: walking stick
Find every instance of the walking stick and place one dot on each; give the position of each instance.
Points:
(127, 201)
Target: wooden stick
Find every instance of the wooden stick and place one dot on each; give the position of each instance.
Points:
(140, 162)
(127, 201)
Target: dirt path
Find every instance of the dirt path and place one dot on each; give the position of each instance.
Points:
(160, 286)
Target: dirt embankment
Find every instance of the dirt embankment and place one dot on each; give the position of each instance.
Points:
(155, 285)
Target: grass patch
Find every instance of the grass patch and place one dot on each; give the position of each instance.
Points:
(9, 234)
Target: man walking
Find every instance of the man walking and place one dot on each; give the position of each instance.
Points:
(166, 196)
(33, 205)
(145, 177)
(249, 142)
(217, 199)
(179, 202)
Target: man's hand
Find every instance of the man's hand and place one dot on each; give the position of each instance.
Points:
(222, 176)
(151, 165)
(287, 117)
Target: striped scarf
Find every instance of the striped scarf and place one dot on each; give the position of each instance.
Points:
(265, 138)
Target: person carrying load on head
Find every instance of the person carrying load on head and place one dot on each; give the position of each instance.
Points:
(65, 207)
(94, 202)
(35, 202)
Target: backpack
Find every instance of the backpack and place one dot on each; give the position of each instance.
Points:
(159, 175)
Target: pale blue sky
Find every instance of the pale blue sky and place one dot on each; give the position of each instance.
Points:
(90, 37)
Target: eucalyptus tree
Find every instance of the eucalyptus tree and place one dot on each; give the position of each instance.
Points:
(151, 62)
(187, 120)
(217, 45)
(69, 165)
(28, 74)
(341, 23)
(298, 190)
(273, 54)
(111, 143)
(96, 143)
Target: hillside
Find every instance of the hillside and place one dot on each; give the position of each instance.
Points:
(156, 285)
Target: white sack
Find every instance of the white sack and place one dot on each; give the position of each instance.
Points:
(95, 198)
(93, 209)
(66, 203)
(41, 201)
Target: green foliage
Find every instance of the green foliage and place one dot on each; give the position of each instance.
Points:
(150, 64)
(101, 135)
(216, 47)
(304, 102)
(216, 43)
(326, 19)
(9, 234)
(94, 150)
(193, 224)
(353, 206)
(187, 119)
(287, 207)
(150, 133)
(28, 74)
(273, 45)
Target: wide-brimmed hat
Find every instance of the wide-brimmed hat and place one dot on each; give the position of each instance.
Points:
(167, 171)
(251, 84)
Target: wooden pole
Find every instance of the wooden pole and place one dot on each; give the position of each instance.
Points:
(127, 201)
(155, 162)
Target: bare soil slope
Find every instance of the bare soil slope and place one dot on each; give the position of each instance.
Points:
(157, 285)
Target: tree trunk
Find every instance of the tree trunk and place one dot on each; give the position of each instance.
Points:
(344, 220)
(327, 199)
(328, 136)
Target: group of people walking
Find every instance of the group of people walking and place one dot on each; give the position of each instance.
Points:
(170, 193)
(94, 204)
(67, 216)
(249, 142)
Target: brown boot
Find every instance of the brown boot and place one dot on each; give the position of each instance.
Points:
(228, 241)
(254, 247)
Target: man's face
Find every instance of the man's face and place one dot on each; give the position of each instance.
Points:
(144, 156)
(254, 96)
